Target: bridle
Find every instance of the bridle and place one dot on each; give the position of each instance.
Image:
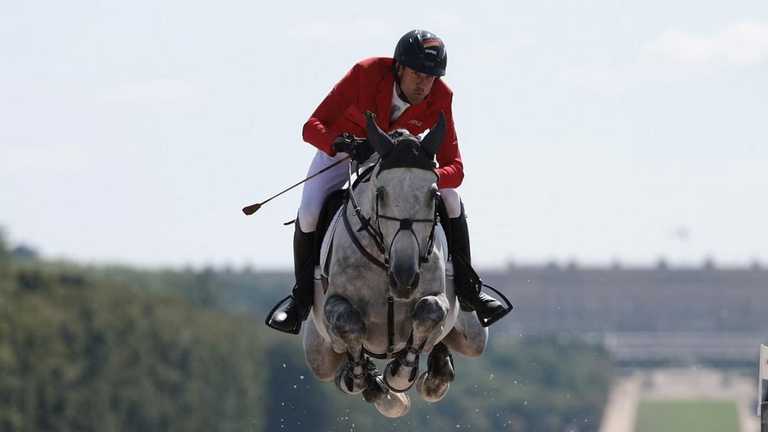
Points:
(376, 234)
(382, 260)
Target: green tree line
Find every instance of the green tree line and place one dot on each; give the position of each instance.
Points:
(86, 348)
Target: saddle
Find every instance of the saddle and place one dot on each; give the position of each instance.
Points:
(332, 204)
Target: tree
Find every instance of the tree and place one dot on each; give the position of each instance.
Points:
(25, 252)
(4, 257)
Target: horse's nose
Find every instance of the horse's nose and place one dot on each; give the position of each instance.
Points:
(404, 264)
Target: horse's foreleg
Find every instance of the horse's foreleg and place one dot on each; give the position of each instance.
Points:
(346, 326)
(428, 315)
(359, 373)
(467, 337)
(433, 384)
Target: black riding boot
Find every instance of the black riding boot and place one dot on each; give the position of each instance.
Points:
(466, 282)
(288, 315)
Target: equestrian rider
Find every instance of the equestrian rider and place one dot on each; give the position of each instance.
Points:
(405, 92)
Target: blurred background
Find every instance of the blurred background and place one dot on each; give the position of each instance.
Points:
(614, 157)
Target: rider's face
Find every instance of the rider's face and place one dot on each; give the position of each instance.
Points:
(415, 85)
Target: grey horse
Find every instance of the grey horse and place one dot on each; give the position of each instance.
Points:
(386, 290)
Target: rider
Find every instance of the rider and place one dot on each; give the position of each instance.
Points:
(405, 92)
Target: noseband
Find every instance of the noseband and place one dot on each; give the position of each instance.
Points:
(406, 225)
(376, 234)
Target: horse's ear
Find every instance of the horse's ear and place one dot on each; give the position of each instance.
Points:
(431, 143)
(378, 139)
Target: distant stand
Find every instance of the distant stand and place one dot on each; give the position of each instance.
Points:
(762, 388)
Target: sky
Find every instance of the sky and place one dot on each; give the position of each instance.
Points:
(591, 131)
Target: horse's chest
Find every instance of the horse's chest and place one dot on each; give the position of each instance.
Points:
(371, 301)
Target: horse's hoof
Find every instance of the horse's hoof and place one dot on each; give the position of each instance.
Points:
(400, 376)
(431, 389)
(351, 377)
(375, 390)
(433, 384)
(388, 403)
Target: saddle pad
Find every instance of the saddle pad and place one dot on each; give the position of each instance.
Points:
(325, 247)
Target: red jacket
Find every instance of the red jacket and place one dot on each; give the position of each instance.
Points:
(368, 87)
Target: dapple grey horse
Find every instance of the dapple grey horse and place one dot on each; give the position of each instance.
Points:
(386, 290)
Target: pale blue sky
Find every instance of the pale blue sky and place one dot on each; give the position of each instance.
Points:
(591, 130)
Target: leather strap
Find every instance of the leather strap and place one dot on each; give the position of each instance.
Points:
(358, 245)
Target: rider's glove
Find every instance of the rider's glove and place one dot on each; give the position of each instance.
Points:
(359, 149)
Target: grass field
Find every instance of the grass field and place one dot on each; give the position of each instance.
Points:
(688, 416)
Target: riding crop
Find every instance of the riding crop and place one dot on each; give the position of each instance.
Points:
(253, 208)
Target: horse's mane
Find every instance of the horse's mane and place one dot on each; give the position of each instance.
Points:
(407, 153)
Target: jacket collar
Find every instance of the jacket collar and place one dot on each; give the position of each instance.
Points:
(413, 114)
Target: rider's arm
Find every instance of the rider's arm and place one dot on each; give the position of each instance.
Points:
(321, 128)
(451, 169)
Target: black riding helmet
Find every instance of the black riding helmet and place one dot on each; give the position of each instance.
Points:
(423, 52)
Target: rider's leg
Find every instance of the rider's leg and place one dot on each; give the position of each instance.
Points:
(467, 285)
(289, 316)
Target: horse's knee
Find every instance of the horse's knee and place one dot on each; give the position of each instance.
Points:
(429, 311)
(343, 319)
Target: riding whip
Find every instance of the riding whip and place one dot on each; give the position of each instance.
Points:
(253, 208)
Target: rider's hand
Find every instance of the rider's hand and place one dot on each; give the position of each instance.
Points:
(359, 149)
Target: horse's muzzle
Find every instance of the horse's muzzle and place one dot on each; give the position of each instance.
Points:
(405, 269)
(404, 284)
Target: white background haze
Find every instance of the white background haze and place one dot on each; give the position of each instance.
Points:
(592, 131)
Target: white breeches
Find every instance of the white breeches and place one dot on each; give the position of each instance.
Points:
(316, 190)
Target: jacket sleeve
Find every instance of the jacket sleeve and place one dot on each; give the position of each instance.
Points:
(451, 169)
(321, 128)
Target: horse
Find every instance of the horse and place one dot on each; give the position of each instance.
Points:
(385, 290)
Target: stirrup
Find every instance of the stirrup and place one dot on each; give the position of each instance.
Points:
(487, 322)
(268, 321)
(475, 280)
